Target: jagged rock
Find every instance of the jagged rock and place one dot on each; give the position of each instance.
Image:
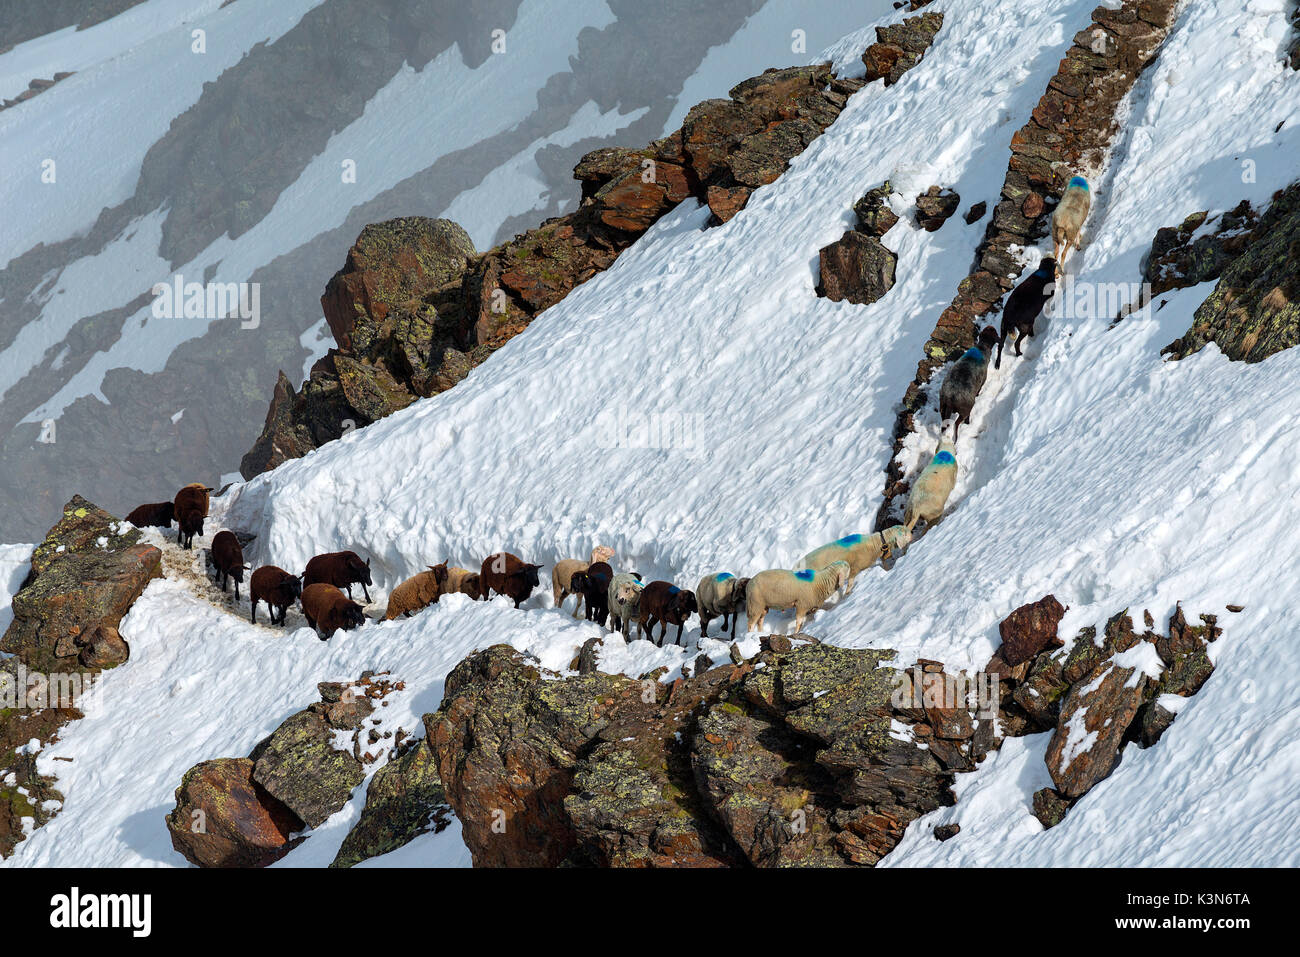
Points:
(1254, 310)
(404, 800)
(282, 437)
(1042, 691)
(370, 389)
(1030, 629)
(900, 46)
(946, 832)
(935, 206)
(1154, 722)
(299, 766)
(857, 268)
(223, 818)
(1095, 716)
(1049, 807)
(28, 799)
(976, 213)
(1085, 654)
(875, 218)
(87, 575)
(1180, 258)
(762, 787)
(726, 201)
(587, 656)
(391, 263)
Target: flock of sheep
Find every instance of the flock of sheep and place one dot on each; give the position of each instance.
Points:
(620, 599)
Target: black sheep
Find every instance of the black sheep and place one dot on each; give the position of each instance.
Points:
(665, 603)
(593, 585)
(964, 380)
(340, 569)
(1025, 303)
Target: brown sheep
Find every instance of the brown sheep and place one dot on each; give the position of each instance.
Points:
(340, 569)
(418, 591)
(276, 587)
(157, 515)
(665, 603)
(228, 558)
(463, 581)
(508, 575)
(191, 508)
(327, 609)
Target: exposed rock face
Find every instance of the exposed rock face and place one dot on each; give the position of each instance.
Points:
(1069, 130)
(86, 574)
(787, 759)
(1030, 629)
(223, 818)
(1254, 311)
(295, 778)
(857, 268)
(415, 308)
(25, 794)
(900, 46)
(1185, 255)
(404, 799)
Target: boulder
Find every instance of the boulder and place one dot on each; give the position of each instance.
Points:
(223, 818)
(726, 201)
(86, 574)
(1049, 807)
(299, 766)
(1030, 629)
(935, 206)
(856, 268)
(875, 218)
(900, 46)
(404, 800)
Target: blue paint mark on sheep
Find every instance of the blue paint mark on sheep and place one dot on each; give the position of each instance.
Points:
(806, 575)
(975, 355)
(1080, 182)
(945, 458)
(1042, 273)
(723, 576)
(673, 589)
(848, 540)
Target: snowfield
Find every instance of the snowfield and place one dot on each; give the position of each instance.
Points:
(1093, 470)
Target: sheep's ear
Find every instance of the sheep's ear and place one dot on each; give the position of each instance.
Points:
(367, 563)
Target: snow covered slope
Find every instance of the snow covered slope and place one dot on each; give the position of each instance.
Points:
(107, 191)
(1093, 470)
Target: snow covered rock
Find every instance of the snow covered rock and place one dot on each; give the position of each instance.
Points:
(87, 572)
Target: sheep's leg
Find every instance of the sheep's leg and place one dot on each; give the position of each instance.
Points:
(253, 614)
(848, 586)
(348, 588)
(704, 624)
(236, 591)
(365, 591)
(799, 619)
(1020, 335)
(680, 625)
(578, 603)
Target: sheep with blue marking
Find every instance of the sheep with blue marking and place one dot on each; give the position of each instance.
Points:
(858, 550)
(722, 595)
(804, 591)
(1068, 218)
(961, 386)
(930, 491)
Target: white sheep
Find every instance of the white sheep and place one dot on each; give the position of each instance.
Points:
(804, 591)
(624, 603)
(930, 491)
(860, 551)
(1068, 219)
(564, 570)
(721, 594)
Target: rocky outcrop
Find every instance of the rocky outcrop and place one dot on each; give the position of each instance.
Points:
(804, 755)
(243, 812)
(935, 206)
(28, 799)
(415, 308)
(1069, 130)
(1254, 310)
(85, 576)
(792, 758)
(33, 88)
(404, 800)
(900, 46)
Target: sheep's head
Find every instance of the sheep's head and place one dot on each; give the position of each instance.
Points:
(896, 538)
(361, 569)
(237, 572)
(738, 592)
(579, 582)
(472, 586)
(353, 616)
(685, 604)
(439, 574)
(528, 575)
(293, 584)
(601, 553)
(988, 339)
